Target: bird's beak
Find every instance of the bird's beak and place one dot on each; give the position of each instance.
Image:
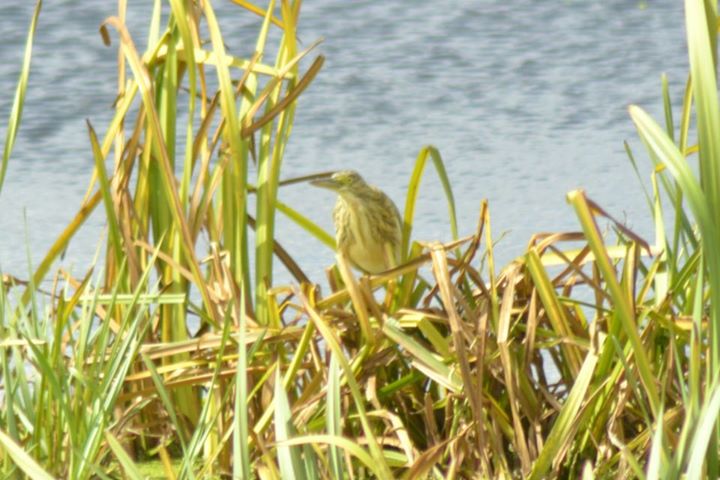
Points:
(328, 183)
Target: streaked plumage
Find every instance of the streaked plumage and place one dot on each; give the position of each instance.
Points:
(368, 227)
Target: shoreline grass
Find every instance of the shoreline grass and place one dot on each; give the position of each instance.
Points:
(436, 369)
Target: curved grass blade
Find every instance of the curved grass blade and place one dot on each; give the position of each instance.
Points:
(701, 27)
(700, 202)
(412, 194)
(288, 99)
(129, 467)
(623, 304)
(339, 442)
(19, 101)
(21, 458)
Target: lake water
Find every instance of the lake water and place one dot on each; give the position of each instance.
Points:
(525, 101)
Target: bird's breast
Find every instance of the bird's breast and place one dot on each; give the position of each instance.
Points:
(355, 238)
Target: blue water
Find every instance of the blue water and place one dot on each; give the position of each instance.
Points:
(525, 101)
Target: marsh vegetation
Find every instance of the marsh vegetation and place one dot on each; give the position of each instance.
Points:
(595, 353)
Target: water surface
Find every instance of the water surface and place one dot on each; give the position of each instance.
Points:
(525, 101)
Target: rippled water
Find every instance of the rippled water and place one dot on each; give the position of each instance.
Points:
(525, 100)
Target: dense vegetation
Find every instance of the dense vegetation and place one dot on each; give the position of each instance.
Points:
(593, 354)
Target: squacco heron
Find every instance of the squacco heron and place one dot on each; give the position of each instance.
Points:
(368, 228)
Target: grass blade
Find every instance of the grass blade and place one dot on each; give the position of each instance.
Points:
(288, 455)
(131, 470)
(566, 421)
(22, 459)
(17, 108)
(413, 190)
(333, 419)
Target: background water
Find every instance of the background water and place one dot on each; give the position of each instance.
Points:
(525, 101)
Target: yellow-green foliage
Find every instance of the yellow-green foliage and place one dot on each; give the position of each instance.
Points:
(591, 354)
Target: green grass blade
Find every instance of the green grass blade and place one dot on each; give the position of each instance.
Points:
(661, 277)
(21, 458)
(623, 304)
(685, 117)
(333, 418)
(17, 108)
(565, 423)
(114, 229)
(306, 224)
(131, 470)
(706, 428)
(701, 27)
(667, 108)
(288, 455)
(180, 15)
(655, 461)
(702, 69)
(241, 449)
(554, 310)
(413, 190)
(433, 367)
(165, 398)
(340, 442)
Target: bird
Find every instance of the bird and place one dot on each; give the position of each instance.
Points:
(368, 226)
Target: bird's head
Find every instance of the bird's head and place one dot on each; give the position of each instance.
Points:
(344, 181)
